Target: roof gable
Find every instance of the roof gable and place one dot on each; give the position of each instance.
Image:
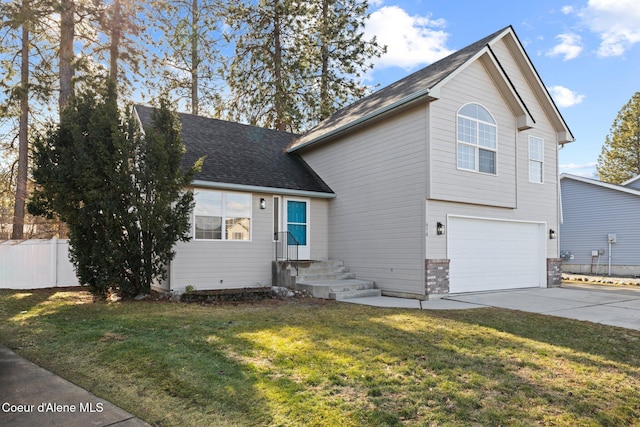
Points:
(238, 155)
(424, 86)
(601, 184)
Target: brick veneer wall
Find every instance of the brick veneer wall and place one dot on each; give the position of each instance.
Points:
(554, 272)
(437, 276)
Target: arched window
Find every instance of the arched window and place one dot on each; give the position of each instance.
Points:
(477, 139)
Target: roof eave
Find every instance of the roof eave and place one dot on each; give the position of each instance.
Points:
(600, 184)
(261, 189)
(424, 95)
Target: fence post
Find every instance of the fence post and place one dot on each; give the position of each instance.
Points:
(53, 243)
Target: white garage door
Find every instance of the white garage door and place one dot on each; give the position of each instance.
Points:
(490, 255)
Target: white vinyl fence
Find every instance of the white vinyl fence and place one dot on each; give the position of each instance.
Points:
(30, 264)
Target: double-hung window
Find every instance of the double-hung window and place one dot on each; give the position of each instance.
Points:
(222, 215)
(536, 159)
(477, 139)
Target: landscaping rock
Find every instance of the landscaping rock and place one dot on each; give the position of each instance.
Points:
(283, 292)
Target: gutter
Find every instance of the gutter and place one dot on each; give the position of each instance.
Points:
(260, 189)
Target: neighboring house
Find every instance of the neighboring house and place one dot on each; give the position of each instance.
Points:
(443, 182)
(600, 231)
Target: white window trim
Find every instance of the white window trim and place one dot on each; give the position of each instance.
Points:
(541, 181)
(477, 146)
(223, 234)
(276, 216)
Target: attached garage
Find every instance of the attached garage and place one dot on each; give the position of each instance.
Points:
(488, 254)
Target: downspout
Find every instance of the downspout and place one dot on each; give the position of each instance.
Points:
(515, 138)
(609, 271)
(559, 219)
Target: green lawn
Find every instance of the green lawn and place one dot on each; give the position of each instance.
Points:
(317, 363)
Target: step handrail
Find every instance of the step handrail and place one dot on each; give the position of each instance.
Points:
(288, 251)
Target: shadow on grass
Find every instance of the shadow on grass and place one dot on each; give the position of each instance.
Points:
(333, 364)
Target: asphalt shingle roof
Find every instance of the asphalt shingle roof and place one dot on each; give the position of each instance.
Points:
(241, 154)
(423, 79)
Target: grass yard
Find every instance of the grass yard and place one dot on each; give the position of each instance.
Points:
(317, 363)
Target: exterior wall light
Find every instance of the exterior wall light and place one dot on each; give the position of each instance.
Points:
(552, 233)
(439, 229)
(263, 204)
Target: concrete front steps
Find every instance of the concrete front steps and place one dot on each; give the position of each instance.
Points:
(332, 280)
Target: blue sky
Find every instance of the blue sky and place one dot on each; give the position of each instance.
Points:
(586, 52)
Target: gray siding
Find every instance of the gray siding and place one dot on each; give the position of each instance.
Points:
(229, 264)
(319, 232)
(590, 214)
(376, 222)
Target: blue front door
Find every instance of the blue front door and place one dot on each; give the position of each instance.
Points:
(298, 226)
(297, 222)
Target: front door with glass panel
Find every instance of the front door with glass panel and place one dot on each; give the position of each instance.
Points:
(297, 222)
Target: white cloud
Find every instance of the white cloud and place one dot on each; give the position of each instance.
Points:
(570, 46)
(573, 166)
(587, 170)
(617, 22)
(567, 9)
(410, 40)
(565, 97)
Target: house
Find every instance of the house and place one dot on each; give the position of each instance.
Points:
(599, 233)
(247, 190)
(443, 182)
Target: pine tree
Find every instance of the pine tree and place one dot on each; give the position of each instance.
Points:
(66, 53)
(297, 62)
(619, 159)
(21, 29)
(120, 193)
(117, 52)
(338, 54)
(191, 42)
(264, 76)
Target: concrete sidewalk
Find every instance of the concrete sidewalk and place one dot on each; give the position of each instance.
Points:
(33, 396)
(609, 305)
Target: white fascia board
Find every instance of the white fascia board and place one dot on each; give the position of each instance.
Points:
(630, 181)
(564, 134)
(260, 189)
(600, 184)
(524, 119)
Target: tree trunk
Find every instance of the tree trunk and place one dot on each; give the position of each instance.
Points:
(114, 48)
(280, 104)
(325, 102)
(67, 36)
(195, 60)
(23, 137)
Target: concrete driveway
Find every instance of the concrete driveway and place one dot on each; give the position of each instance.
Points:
(615, 306)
